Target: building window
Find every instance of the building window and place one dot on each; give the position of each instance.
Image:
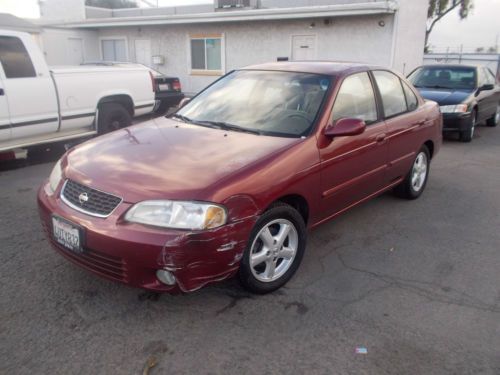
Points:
(206, 54)
(114, 49)
(15, 59)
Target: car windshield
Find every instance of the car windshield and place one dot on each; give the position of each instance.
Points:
(455, 78)
(262, 102)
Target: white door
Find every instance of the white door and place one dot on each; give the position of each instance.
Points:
(4, 115)
(75, 51)
(143, 51)
(303, 47)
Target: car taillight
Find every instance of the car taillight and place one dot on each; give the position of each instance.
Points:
(153, 83)
(176, 85)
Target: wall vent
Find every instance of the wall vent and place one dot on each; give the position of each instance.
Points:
(238, 4)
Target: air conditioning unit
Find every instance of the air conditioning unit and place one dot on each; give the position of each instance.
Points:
(238, 4)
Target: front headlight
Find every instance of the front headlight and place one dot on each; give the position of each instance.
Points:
(456, 108)
(177, 214)
(55, 177)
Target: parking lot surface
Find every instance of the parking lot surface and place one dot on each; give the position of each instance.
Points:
(416, 283)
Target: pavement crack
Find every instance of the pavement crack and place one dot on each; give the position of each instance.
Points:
(425, 289)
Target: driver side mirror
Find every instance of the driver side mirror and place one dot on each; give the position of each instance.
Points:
(345, 127)
(183, 102)
(487, 86)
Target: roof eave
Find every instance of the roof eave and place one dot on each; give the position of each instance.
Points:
(343, 10)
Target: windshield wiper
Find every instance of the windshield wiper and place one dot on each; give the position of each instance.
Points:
(181, 117)
(227, 126)
(436, 87)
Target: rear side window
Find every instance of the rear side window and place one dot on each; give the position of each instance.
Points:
(393, 98)
(411, 98)
(356, 99)
(15, 59)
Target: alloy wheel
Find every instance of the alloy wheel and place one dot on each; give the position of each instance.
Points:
(273, 250)
(419, 172)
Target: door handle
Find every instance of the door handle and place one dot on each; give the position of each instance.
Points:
(381, 138)
(1, 92)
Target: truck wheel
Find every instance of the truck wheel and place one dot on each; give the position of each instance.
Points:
(162, 108)
(414, 183)
(112, 116)
(274, 250)
(468, 134)
(495, 119)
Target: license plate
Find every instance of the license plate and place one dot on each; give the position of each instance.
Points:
(67, 234)
(164, 87)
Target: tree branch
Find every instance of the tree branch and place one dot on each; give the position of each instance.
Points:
(441, 15)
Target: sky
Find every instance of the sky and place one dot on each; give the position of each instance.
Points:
(480, 29)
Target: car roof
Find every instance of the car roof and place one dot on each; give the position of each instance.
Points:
(452, 66)
(316, 67)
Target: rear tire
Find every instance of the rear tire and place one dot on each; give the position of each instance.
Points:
(495, 119)
(112, 116)
(468, 134)
(274, 250)
(414, 184)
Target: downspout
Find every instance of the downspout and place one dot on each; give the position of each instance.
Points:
(395, 6)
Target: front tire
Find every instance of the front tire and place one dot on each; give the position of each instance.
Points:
(468, 134)
(495, 119)
(112, 116)
(414, 184)
(274, 250)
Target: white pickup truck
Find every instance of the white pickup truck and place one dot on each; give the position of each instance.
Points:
(41, 105)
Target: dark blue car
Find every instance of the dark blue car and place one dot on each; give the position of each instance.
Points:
(466, 95)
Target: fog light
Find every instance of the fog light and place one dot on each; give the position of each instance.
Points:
(166, 277)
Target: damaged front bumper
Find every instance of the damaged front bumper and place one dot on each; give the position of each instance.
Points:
(133, 253)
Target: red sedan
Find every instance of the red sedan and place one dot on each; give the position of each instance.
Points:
(232, 182)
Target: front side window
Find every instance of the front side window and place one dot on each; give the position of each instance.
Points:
(206, 54)
(114, 49)
(490, 78)
(391, 91)
(267, 102)
(439, 77)
(15, 60)
(355, 99)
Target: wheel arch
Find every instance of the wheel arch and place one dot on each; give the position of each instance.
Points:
(430, 146)
(123, 99)
(298, 202)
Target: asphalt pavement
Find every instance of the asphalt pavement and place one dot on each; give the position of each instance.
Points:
(391, 287)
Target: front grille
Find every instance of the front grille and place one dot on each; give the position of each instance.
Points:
(88, 200)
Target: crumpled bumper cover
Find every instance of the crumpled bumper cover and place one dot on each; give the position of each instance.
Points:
(132, 253)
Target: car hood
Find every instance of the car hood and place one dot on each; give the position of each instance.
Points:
(167, 159)
(445, 96)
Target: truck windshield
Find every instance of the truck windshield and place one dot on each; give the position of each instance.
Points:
(262, 102)
(455, 78)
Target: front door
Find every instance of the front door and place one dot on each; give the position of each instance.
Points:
(75, 51)
(143, 51)
(353, 167)
(30, 91)
(303, 47)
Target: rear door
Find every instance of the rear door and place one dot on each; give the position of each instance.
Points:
(353, 167)
(491, 96)
(403, 117)
(29, 88)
